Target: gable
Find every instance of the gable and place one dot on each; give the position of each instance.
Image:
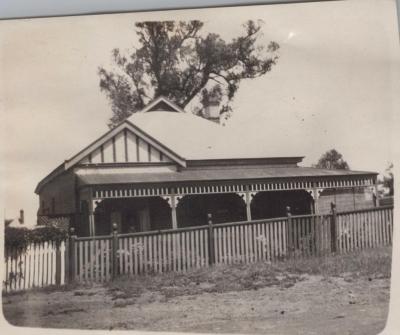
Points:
(125, 147)
(125, 143)
(162, 104)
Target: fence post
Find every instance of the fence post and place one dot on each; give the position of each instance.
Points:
(211, 251)
(289, 237)
(114, 242)
(72, 255)
(333, 228)
(58, 263)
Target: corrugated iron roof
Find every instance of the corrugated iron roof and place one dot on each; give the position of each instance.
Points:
(195, 138)
(218, 174)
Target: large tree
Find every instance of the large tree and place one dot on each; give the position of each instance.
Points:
(332, 159)
(177, 60)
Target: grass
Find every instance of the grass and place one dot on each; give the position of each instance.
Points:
(371, 264)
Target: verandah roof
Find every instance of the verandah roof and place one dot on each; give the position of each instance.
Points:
(219, 174)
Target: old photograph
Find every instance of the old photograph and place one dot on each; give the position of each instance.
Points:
(213, 170)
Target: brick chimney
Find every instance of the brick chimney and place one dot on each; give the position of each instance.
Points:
(211, 112)
(21, 216)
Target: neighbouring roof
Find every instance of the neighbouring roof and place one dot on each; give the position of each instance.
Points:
(209, 174)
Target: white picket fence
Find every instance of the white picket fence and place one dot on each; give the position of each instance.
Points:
(101, 258)
(40, 265)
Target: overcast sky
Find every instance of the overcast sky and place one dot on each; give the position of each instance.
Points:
(333, 85)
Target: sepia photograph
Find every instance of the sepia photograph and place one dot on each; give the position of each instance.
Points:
(205, 170)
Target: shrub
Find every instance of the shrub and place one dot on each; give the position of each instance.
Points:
(48, 233)
(18, 239)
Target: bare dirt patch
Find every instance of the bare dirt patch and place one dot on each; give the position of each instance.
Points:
(257, 298)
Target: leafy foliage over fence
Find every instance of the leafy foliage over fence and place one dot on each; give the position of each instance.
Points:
(18, 239)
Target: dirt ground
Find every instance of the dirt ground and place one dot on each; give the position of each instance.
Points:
(313, 305)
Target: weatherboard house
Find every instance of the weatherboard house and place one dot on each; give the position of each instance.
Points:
(166, 168)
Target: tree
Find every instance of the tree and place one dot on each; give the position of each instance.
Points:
(388, 180)
(333, 160)
(176, 60)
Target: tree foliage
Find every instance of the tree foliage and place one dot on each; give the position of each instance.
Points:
(333, 160)
(176, 60)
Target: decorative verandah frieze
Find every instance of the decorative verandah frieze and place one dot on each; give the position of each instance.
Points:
(245, 189)
(123, 191)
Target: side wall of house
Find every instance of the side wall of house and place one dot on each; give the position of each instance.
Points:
(346, 199)
(58, 196)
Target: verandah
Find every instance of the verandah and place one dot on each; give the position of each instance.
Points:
(142, 208)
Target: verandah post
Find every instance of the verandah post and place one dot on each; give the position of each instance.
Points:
(248, 203)
(289, 230)
(333, 228)
(173, 212)
(211, 251)
(114, 246)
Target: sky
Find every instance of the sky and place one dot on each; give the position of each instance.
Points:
(334, 86)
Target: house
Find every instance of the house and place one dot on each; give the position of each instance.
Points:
(17, 222)
(166, 168)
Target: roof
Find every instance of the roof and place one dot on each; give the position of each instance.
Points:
(216, 174)
(195, 138)
(183, 136)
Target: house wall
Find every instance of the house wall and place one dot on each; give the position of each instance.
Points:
(60, 194)
(345, 199)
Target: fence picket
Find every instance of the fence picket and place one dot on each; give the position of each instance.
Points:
(380, 228)
(375, 236)
(364, 221)
(358, 230)
(369, 238)
(188, 251)
(228, 245)
(236, 253)
(224, 235)
(383, 226)
(192, 249)
(378, 232)
(385, 222)
(267, 241)
(388, 226)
